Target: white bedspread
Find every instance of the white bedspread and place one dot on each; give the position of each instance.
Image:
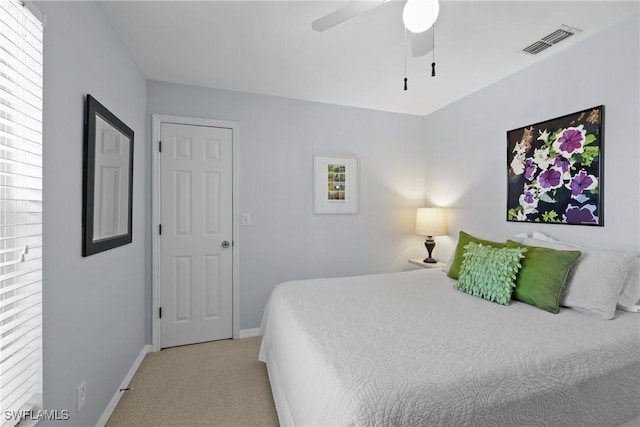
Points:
(407, 349)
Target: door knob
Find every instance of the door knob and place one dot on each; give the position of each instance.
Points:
(225, 244)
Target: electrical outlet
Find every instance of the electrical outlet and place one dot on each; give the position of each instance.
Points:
(81, 394)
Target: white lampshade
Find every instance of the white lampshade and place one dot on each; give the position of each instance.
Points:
(419, 15)
(431, 222)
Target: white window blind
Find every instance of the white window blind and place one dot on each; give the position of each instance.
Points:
(20, 212)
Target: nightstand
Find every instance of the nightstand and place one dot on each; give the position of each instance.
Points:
(422, 264)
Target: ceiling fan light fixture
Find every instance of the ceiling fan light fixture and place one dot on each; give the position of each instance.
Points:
(419, 15)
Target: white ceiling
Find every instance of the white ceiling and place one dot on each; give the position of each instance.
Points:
(268, 47)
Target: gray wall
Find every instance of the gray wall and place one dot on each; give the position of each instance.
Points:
(278, 138)
(466, 166)
(94, 307)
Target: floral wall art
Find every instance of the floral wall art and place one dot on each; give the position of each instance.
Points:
(555, 170)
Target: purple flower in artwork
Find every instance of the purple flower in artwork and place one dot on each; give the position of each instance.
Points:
(580, 215)
(570, 140)
(528, 200)
(582, 181)
(529, 169)
(529, 197)
(550, 178)
(562, 164)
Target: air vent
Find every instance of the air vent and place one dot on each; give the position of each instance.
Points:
(550, 39)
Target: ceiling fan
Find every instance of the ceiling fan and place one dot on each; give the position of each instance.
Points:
(418, 17)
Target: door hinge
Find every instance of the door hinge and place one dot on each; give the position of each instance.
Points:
(160, 312)
(160, 146)
(160, 229)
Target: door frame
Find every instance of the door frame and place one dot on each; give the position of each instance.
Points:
(156, 278)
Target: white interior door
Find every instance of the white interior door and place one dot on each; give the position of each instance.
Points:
(196, 234)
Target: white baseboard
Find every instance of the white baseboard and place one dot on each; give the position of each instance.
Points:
(125, 383)
(248, 333)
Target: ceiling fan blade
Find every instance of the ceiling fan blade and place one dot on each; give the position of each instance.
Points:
(421, 43)
(349, 11)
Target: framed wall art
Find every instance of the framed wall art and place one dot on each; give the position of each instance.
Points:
(336, 185)
(107, 180)
(555, 170)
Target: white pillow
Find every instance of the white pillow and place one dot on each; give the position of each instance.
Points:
(597, 278)
(630, 295)
(541, 236)
(446, 267)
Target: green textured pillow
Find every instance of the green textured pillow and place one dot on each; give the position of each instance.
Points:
(463, 240)
(490, 273)
(542, 278)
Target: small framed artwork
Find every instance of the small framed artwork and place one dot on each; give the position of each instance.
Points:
(555, 170)
(107, 180)
(336, 185)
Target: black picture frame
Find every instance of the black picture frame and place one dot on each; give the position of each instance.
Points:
(555, 170)
(107, 190)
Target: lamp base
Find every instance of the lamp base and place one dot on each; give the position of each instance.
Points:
(429, 243)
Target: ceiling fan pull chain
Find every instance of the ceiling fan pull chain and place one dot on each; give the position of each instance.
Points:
(405, 58)
(433, 52)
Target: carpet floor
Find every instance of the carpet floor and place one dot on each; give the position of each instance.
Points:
(219, 383)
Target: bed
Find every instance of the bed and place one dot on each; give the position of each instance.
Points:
(408, 349)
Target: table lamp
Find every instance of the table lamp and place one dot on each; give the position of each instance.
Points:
(431, 222)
